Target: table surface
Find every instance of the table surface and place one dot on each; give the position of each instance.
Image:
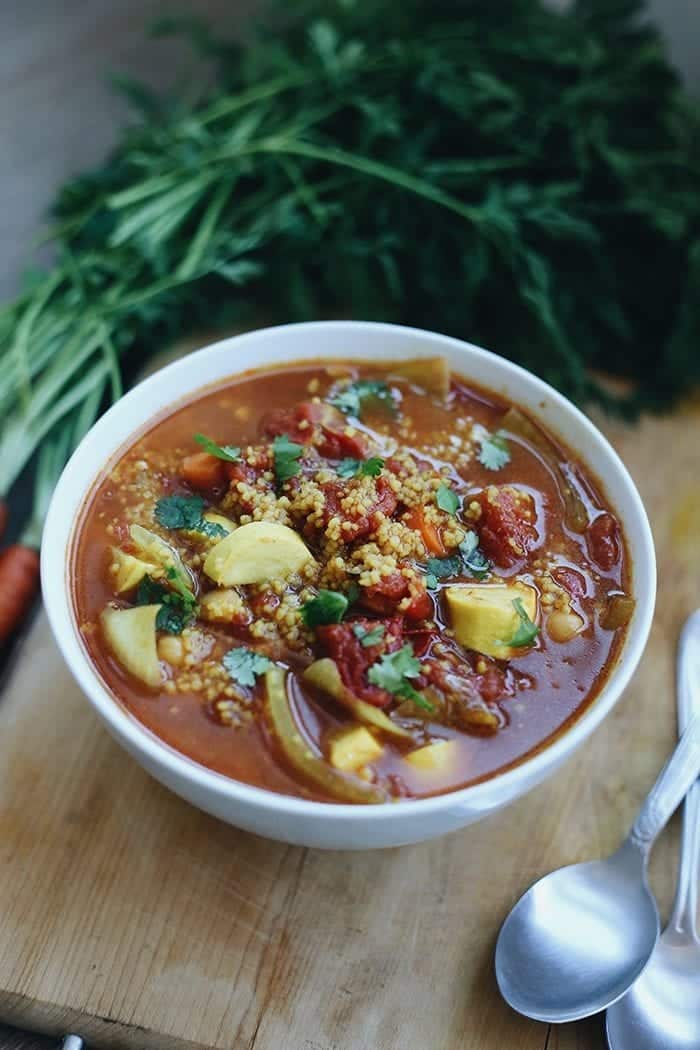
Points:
(57, 116)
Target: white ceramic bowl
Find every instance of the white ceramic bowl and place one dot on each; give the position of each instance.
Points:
(291, 819)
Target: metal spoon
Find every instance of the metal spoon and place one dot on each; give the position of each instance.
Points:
(661, 1011)
(580, 937)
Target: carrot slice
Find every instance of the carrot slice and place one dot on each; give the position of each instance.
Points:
(431, 536)
(203, 471)
(19, 582)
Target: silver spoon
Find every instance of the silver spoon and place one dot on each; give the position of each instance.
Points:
(661, 1011)
(580, 937)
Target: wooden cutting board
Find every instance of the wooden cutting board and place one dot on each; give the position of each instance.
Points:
(139, 922)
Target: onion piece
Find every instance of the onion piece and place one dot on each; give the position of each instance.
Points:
(297, 752)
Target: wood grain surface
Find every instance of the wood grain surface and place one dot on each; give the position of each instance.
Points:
(130, 917)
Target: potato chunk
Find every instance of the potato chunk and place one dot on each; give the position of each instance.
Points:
(254, 553)
(430, 373)
(484, 617)
(131, 635)
(434, 758)
(223, 606)
(353, 748)
(128, 571)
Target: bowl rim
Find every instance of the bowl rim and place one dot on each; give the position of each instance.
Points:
(57, 595)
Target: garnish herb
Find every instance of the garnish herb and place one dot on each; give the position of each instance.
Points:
(326, 607)
(230, 453)
(446, 499)
(475, 561)
(352, 399)
(180, 585)
(245, 665)
(185, 512)
(393, 671)
(354, 468)
(526, 632)
(470, 557)
(440, 567)
(286, 456)
(175, 613)
(494, 452)
(366, 637)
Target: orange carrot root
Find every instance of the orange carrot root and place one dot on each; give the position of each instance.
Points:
(19, 583)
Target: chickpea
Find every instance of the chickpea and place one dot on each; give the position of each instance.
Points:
(563, 626)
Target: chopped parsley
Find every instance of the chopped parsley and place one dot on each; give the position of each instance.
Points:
(180, 585)
(326, 607)
(440, 567)
(475, 561)
(175, 612)
(354, 468)
(368, 638)
(245, 665)
(446, 499)
(352, 398)
(393, 671)
(526, 631)
(286, 456)
(230, 453)
(470, 558)
(494, 452)
(185, 512)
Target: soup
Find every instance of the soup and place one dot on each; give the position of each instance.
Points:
(351, 582)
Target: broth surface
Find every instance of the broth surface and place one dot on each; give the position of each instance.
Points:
(546, 685)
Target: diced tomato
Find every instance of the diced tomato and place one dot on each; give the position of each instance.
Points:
(506, 526)
(384, 598)
(354, 660)
(203, 471)
(571, 580)
(358, 525)
(415, 519)
(603, 540)
(318, 424)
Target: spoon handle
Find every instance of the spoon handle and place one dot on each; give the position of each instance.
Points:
(684, 917)
(673, 782)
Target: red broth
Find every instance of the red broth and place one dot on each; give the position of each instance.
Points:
(422, 495)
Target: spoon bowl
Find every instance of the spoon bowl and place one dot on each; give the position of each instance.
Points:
(662, 1010)
(578, 938)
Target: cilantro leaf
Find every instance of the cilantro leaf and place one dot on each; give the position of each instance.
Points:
(440, 567)
(185, 512)
(446, 499)
(286, 454)
(368, 638)
(230, 453)
(326, 607)
(526, 631)
(475, 561)
(393, 671)
(180, 585)
(351, 399)
(245, 665)
(175, 613)
(179, 512)
(494, 452)
(353, 468)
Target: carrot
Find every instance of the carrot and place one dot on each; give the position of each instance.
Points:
(431, 536)
(3, 518)
(19, 583)
(203, 471)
